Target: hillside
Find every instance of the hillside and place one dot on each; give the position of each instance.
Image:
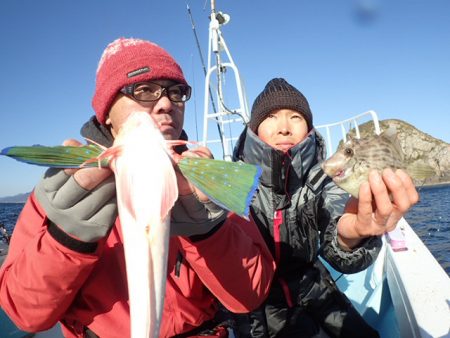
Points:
(19, 198)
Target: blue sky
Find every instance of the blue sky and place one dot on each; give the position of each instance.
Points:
(345, 56)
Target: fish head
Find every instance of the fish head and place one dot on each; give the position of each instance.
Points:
(347, 169)
(136, 125)
(355, 158)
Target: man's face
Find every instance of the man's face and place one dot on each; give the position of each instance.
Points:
(282, 129)
(168, 115)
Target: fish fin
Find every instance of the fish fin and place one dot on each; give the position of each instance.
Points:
(170, 194)
(172, 143)
(56, 156)
(420, 172)
(230, 185)
(391, 134)
(96, 143)
(348, 138)
(112, 152)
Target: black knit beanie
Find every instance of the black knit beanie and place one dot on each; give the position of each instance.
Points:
(279, 94)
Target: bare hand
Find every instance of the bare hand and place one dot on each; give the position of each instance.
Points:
(87, 178)
(383, 201)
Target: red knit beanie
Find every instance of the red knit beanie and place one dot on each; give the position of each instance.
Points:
(126, 61)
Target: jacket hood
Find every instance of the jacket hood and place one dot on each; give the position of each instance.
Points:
(95, 131)
(279, 167)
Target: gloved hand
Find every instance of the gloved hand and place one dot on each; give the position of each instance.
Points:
(190, 216)
(193, 212)
(86, 214)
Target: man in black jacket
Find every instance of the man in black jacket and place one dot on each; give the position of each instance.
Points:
(302, 214)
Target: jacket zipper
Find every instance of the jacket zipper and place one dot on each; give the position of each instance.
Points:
(277, 222)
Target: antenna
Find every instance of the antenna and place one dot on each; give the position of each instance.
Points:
(204, 71)
(219, 53)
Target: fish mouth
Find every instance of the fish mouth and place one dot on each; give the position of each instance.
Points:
(340, 175)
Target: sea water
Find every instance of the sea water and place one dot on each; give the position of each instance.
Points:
(430, 219)
(8, 215)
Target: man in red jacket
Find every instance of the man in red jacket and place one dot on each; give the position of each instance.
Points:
(66, 259)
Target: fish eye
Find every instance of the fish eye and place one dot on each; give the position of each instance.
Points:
(348, 151)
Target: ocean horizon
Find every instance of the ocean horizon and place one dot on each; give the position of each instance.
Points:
(430, 219)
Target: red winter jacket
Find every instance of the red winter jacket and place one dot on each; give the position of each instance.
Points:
(42, 281)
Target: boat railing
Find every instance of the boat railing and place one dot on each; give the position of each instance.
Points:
(344, 127)
(225, 117)
(215, 109)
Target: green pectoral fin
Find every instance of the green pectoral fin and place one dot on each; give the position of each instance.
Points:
(57, 156)
(228, 184)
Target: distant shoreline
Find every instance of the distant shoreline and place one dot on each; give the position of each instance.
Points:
(7, 199)
(22, 202)
(19, 198)
(435, 185)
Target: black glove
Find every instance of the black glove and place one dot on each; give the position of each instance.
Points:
(191, 217)
(86, 215)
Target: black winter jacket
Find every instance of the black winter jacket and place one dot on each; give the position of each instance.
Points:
(297, 208)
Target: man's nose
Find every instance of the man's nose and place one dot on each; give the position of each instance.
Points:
(164, 104)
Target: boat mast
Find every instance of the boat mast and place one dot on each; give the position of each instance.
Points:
(219, 61)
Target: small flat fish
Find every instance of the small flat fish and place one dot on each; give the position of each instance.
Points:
(350, 165)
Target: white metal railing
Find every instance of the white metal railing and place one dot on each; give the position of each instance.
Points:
(222, 116)
(349, 123)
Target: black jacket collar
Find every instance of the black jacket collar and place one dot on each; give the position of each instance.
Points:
(282, 172)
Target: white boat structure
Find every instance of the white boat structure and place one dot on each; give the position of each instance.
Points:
(405, 293)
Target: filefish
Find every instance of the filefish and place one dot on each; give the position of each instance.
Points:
(350, 165)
